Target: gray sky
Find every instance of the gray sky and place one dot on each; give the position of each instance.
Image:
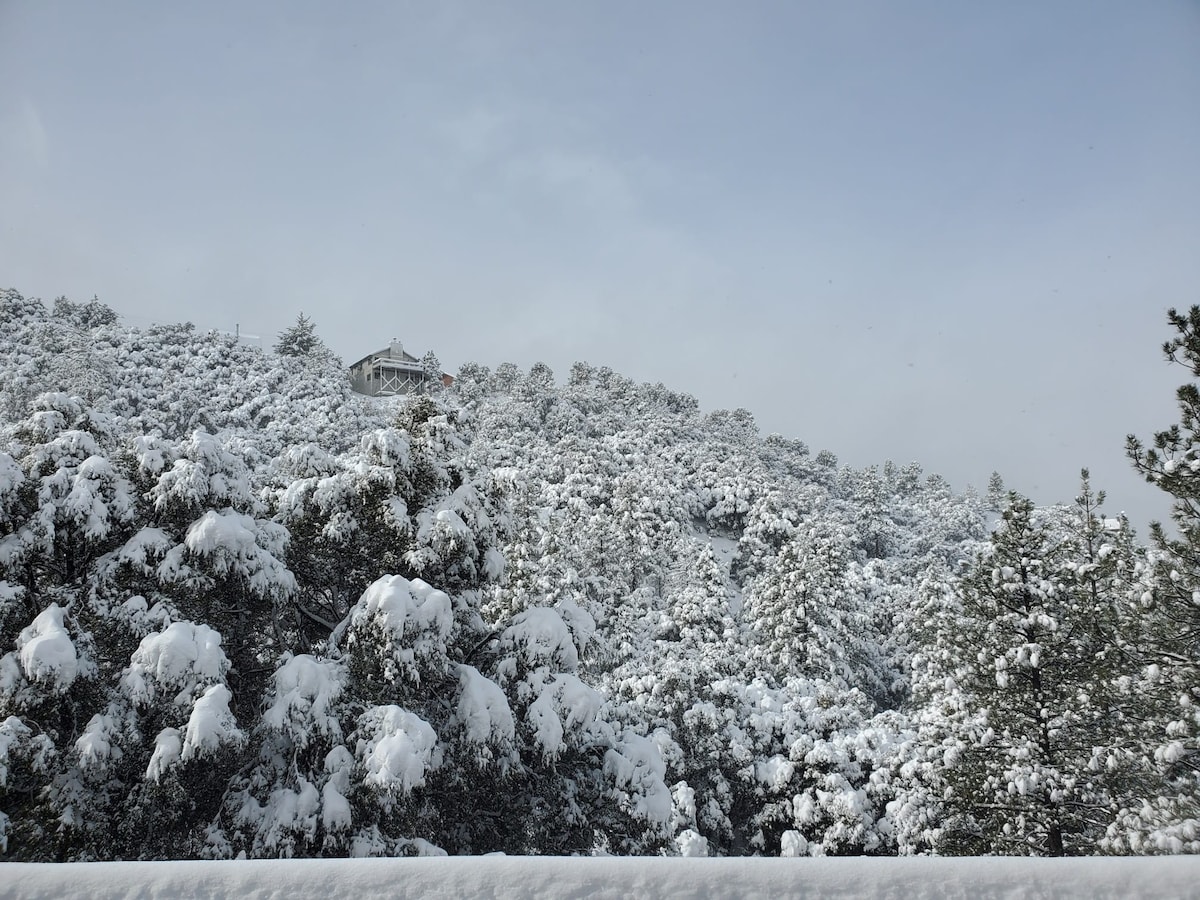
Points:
(928, 230)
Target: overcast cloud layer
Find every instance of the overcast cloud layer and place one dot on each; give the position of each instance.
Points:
(933, 231)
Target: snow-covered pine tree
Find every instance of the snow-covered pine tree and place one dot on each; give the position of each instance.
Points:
(996, 494)
(300, 339)
(1020, 684)
(1168, 821)
(92, 314)
(192, 612)
(807, 614)
(395, 742)
(432, 369)
(870, 501)
(122, 693)
(403, 502)
(65, 504)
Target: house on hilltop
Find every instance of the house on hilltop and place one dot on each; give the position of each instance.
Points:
(391, 371)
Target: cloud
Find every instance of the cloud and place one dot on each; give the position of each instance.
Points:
(24, 140)
(579, 178)
(477, 135)
(540, 156)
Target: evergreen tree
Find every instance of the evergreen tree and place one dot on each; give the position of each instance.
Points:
(1169, 820)
(808, 615)
(300, 339)
(871, 502)
(432, 369)
(995, 493)
(1024, 676)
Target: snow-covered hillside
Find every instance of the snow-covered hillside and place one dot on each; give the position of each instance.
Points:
(244, 611)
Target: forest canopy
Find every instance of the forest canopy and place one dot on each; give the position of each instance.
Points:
(244, 610)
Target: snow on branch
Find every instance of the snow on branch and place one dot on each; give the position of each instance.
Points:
(47, 653)
(396, 748)
(306, 689)
(182, 657)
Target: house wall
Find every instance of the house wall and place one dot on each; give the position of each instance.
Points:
(383, 375)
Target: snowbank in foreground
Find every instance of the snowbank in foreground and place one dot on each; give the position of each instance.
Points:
(568, 878)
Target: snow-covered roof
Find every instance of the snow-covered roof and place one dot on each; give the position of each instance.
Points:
(394, 351)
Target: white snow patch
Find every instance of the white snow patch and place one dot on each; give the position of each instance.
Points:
(168, 747)
(305, 690)
(483, 711)
(228, 531)
(47, 653)
(540, 637)
(637, 766)
(569, 878)
(410, 612)
(335, 808)
(96, 746)
(691, 843)
(564, 703)
(181, 656)
(775, 773)
(211, 724)
(793, 843)
(400, 748)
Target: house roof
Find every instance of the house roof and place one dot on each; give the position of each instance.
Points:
(386, 353)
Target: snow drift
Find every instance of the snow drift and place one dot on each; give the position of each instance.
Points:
(563, 878)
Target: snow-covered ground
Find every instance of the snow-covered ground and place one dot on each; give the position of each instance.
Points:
(568, 878)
